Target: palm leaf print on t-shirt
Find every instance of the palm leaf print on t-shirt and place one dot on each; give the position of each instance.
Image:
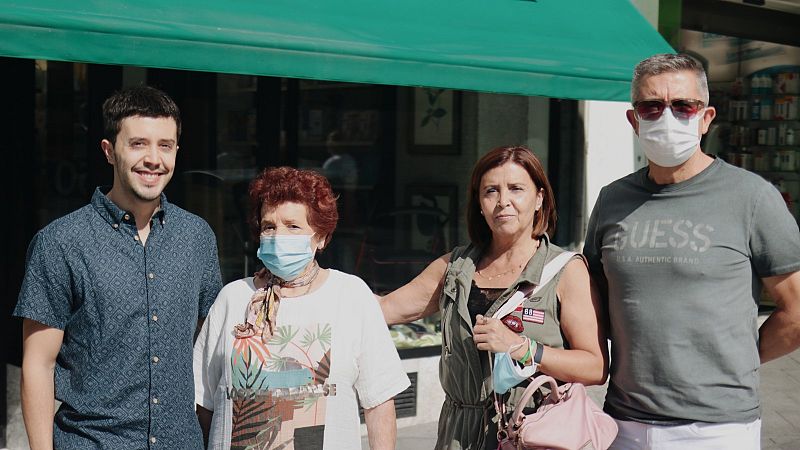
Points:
(279, 389)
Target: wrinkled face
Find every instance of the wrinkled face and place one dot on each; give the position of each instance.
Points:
(509, 200)
(143, 156)
(288, 218)
(670, 86)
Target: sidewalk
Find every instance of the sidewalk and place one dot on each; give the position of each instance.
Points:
(780, 394)
(780, 399)
(422, 437)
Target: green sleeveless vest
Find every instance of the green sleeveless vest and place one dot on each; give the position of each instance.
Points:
(463, 370)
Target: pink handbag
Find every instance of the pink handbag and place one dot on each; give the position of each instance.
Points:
(567, 419)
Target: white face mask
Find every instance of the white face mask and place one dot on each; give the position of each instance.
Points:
(670, 142)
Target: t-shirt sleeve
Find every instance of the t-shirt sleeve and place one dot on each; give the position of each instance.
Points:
(211, 282)
(774, 236)
(381, 375)
(208, 365)
(593, 245)
(46, 293)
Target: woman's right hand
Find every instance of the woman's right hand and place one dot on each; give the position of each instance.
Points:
(417, 299)
(492, 335)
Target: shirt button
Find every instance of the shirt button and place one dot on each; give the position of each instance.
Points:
(115, 225)
(152, 439)
(126, 217)
(155, 400)
(155, 318)
(136, 238)
(155, 359)
(151, 275)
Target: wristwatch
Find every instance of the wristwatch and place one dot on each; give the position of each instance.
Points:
(537, 356)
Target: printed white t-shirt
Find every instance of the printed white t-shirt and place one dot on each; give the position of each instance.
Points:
(298, 390)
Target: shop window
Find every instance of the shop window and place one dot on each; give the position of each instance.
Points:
(60, 157)
(342, 133)
(347, 132)
(755, 88)
(212, 174)
(235, 159)
(391, 226)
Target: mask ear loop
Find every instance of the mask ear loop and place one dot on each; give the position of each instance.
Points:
(499, 406)
(515, 347)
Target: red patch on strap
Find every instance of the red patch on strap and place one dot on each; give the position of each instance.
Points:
(513, 323)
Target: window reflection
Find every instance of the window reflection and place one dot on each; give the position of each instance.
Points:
(388, 232)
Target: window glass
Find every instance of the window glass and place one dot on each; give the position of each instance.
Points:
(61, 151)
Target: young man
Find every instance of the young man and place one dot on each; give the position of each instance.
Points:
(681, 250)
(112, 296)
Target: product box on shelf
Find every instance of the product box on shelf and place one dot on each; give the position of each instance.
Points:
(762, 161)
(737, 110)
(785, 107)
(786, 83)
(790, 190)
(788, 159)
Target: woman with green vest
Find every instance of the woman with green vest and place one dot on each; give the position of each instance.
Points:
(557, 330)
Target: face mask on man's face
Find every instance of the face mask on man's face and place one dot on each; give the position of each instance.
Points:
(670, 142)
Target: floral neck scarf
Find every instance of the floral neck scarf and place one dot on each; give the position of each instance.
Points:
(262, 311)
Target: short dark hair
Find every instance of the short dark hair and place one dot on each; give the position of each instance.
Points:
(666, 63)
(277, 185)
(545, 220)
(143, 101)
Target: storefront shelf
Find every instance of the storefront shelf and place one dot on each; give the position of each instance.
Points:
(420, 352)
(779, 174)
(749, 121)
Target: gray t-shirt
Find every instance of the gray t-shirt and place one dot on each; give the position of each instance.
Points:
(683, 264)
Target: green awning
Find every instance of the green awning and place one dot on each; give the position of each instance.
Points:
(583, 49)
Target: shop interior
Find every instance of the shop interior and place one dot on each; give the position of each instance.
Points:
(755, 88)
(396, 157)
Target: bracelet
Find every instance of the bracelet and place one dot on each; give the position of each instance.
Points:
(514, 347)
(537, 357)
(527, 355)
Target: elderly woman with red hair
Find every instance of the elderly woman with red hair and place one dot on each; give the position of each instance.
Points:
(282, 355)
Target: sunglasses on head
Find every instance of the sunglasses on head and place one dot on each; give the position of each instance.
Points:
(681, 108)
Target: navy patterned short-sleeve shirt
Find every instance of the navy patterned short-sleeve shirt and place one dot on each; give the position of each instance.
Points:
(129, 312)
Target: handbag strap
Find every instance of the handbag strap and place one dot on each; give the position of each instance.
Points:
(535, 384)
(548, 272)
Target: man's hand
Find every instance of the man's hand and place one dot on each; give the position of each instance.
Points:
(780, 334)
(205, 417)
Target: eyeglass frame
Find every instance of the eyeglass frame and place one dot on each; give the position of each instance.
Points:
(701, 105)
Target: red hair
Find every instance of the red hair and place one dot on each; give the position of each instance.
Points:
(277, 185)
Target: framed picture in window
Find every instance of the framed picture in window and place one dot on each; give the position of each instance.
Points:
(435, 121)
(435, 224)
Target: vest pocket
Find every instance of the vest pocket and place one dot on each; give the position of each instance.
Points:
(447, 304)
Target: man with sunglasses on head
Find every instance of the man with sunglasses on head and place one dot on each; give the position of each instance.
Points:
(680, 250)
